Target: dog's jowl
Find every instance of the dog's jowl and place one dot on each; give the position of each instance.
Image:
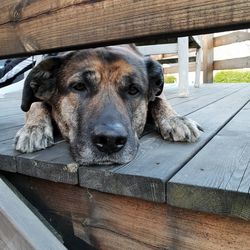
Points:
(99, 99)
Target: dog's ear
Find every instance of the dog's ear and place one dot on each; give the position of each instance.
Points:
(40, 84)
(155, 78)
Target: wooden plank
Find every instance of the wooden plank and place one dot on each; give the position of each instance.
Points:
(20, 228)
(183, 83)
(28, 27)
(203, 98)
(113, 222)
(9, 112)
(8, 133)
(208, 58)
(55, 164)
(235, 63)
(172, 69)
(197, 93)
(186, 108)
(158, 49)
(217, 179)
(234, 37)
(174, 60)
(12, 121)
(198, 68)
(8, 156)
(157, 160)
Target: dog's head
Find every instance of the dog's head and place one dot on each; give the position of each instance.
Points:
(99, 99)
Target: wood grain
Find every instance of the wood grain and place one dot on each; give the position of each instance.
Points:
(55, 164)
(208, 58)
(8, 156)
(28, 27)
(234, 37)
(236, 63)
(113, 222)
(217, 179)
(146, 176)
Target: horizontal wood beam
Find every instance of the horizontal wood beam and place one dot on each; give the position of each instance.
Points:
(235, 63)
(174, 60)
(158, 49)
(174, 68)
(115, 222)
(234, 37)
(30, 27)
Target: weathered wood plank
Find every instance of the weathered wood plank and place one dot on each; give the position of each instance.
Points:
(206, 95)
(157, 160)
(174, 60)
(41, 26)
(158, 49)
(173, 68)
(217, 179)
(8, 156)
(12, 121)
(8, 133)
(183, 83)
(55, 164)
(234, 37)
(208, 58)
(20, 228)
(113, 222)
(236, 63)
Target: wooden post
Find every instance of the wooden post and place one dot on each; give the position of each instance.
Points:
(208, 58)
(183, 66)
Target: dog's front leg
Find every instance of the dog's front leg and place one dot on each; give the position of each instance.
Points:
(37, 132)
(172, 126)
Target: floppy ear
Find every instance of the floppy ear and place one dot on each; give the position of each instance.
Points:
(155, 78)
(40, 84)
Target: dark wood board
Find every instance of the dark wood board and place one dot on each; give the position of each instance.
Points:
(28, 27)
(8, 156)
(217, 179)
(111, 222)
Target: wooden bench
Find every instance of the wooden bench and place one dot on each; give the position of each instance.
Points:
(173, 195)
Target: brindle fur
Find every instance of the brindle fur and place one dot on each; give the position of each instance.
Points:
(105, 74)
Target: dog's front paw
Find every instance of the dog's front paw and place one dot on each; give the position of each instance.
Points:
(178, 128)
(33, 138)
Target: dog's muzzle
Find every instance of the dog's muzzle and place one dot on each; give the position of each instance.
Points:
(109, 138)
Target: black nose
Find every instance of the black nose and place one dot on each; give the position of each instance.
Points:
(109, 138)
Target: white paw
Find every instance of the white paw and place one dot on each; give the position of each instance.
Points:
(33, 138)
(178, 128)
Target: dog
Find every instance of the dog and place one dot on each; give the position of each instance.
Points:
(100, 100)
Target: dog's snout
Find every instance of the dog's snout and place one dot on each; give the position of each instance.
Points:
(109, 138)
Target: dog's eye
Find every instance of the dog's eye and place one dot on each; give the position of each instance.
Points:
(79, 86)
(133, 90)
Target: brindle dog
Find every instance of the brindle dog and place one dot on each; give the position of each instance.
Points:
(99, 99)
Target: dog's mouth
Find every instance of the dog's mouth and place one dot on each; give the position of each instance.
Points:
(87, 156)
